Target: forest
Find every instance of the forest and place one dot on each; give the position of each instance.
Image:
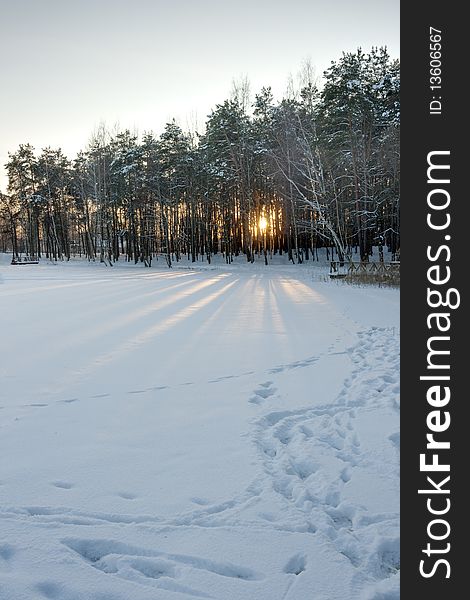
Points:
(318, 168)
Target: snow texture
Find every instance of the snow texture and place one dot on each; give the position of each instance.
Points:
(228, 433)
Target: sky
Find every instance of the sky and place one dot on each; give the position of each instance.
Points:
(68, 65)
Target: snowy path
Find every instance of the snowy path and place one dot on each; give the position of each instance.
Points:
(181, 434)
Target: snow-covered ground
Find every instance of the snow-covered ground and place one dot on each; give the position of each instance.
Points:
(225, 432)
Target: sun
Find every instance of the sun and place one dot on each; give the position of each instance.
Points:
(263, 224)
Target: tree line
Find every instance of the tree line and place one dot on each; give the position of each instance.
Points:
(318, 168)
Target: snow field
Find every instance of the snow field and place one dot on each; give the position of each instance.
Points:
(175, 434)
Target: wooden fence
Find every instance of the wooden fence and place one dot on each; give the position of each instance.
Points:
(367, 271)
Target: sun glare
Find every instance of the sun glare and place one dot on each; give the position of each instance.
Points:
(263, 223)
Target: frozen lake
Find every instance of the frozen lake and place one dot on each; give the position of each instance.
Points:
(227, 433)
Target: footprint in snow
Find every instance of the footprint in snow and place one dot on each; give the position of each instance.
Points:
(104, 554)
(296, 565)
(263, 392)
(127, 495)
(49, 589)
(7, 551)
(266, 384)
(64, 485)
(200, 501)
(395, 439)
(294, 365)
(345, 475)
(224, 378)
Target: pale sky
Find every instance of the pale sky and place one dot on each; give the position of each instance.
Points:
(66, 65)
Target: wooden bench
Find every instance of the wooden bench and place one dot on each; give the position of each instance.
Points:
(335, 273)
(25, 260)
